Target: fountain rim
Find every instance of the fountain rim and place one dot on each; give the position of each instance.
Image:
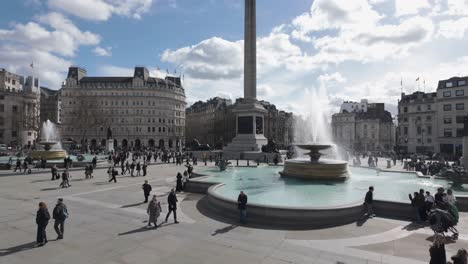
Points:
(314, 146)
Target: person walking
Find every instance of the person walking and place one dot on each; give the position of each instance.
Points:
(146, 190)
(368, 202)
(172, 205)
(54, 171)
(65, 179)
(60, 213)
(449, 198)
(154, 211)
(112, 174)
(138, 168)
(242, 206)
(18, 165)
(94, 162)
(42, 219)
(179, 182)
(132, 168)
(144, 167)
(437, 251)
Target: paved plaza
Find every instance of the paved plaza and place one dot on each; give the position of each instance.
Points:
(107, 225)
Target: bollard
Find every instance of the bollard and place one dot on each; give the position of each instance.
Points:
(237, 163)
(258, 162)
(248, 163)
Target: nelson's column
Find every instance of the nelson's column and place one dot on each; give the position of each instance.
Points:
(249, 112)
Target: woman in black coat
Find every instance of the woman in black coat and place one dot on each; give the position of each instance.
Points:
(179, 186)
(42, 219)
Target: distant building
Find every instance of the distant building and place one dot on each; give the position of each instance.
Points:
(213, 122)
(19, 109)
(433, 122)
(366, 128)
(139, 110)
(51, 105)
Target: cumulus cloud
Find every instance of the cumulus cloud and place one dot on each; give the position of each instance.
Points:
(405, 7)
(101, 10)
(104, 52)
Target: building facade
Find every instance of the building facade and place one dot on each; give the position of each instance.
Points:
(139, 111)
(433, 122)
(51, 106)
(417, 123)
(19, 109)
(364, 128)
(213, 122)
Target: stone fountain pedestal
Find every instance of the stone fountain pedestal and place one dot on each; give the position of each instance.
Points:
(48, 153)
(316, 169)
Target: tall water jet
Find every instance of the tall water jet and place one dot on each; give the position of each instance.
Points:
(314, 135)
(50, 140)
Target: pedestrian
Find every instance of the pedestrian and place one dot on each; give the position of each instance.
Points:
(146, 190)
(144, 168)
(127, 167)
(18, 165)
(415, 203)
(368, 202)
(429, 199)
(179, 182)
(439, 196)
(172, 205)
(65, 179)
(138, 168)
(113, 174)
(60, 213)
(94, 162)
(154, 211)
(437, 251)
(53, 170)
(450, 198)
(460, 257)
(42, 219)
(122, 168)
(242, 206)
(132, 168)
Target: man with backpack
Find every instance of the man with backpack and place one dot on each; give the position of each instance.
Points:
(60, 213)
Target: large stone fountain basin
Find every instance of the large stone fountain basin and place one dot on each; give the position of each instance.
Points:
(324, 169)
(314, 147)
(48, 154)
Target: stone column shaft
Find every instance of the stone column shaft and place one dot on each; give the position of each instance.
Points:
(250, 50)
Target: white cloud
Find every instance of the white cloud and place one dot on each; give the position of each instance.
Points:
(105, 52)
(410, 7)
(101, 10)
(453, 28)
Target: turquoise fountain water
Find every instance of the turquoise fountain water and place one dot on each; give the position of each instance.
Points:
(264, 186)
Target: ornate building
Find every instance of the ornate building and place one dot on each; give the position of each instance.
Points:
(366, 128)
(213, 122)
(140, 110)
(433, 122)
(19, 109)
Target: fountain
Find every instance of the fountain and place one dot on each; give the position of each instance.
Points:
(315, 129)
(52, 149)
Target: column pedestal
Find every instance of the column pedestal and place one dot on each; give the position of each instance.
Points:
(110, 145)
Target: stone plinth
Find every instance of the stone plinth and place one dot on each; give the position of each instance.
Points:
(110, 145)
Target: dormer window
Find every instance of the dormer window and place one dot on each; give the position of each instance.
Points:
(461, 83)
(448, 84)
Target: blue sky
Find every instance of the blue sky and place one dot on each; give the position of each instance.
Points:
(343, 50)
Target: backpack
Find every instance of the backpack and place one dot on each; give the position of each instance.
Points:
(64, 213)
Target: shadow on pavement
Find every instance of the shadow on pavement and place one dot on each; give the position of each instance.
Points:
(131, 205)
(16, 249)
(50, 189)
(414, 226)
(224, 230)
(362, 221)
(138, 230)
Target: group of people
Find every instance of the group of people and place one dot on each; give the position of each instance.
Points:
(154, 206)
(423, 202)
(59, 214)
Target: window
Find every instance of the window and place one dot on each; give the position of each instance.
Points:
(405, 109)
(429, 140)
(418, 108)
(2, 108)
(405, 119)
(13, 82)
(428, 118)
(459, 132)
(460, 106)
(429, 130)
(447, 132)
(1, 121)
(14, 108)
(460, 119)
(447, 93)
(447, 120)
(405, 131)
(461, 83)
(429, 107)
(419, 140)
(418, 118)
(14, 134)
(460, 93)
(449, 84)
(447, 107)
(419, 130)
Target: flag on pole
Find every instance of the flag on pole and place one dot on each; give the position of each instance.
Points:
(417, 79)
(32, 65)
(167, 70)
